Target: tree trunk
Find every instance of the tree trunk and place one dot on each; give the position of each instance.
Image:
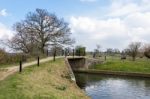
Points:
(42, 50)
(43, 45)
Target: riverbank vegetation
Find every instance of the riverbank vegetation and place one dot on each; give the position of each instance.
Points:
(13, 59)
(114, 63)
(49, 81)
(135, 58)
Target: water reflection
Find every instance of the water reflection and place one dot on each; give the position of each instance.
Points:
(114, 87)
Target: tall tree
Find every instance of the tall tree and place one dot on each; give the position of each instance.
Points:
(40, 29)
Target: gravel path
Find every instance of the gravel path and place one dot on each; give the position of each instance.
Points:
(5, 72)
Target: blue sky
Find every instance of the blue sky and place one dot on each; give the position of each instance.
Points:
(109, 23)
(17, 9)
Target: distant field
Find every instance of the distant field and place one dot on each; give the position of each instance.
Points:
(141, 65)
(49, 81)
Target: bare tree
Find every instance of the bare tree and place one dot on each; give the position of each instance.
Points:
(56, 50)
(116, 51)
(147, 51)
(133, 49)
(109, 51)
(39, 30)
(23, 40)
(98, 47)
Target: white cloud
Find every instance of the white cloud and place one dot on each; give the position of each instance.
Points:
(138, 20)
(5, 33)
(138, 26)
(122, 10)
(89, 31)
(124, 21)
(3, 12)
(125, 7)
(111, 32)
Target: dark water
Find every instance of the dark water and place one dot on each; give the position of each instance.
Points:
(114, 87)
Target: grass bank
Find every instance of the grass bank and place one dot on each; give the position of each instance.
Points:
(49, 81)
(141, 65)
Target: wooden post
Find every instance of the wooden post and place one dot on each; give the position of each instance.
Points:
(94, 55)
(20, 66)
(73, 53)
(65, 53)
(47, 52)
(38, 61)
(105, 57)
(79, 53)
(62, 54)
(54, 55)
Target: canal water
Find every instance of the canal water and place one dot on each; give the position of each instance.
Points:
(113, 87)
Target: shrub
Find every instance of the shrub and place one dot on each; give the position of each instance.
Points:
(147, 53)
(3, 56)
(9, 58)
(80, 51)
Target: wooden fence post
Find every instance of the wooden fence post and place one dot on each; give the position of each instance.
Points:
(105, 57)
(73, 53)
(47, 53)
(65, 52)
(38, 61)
(20, 66)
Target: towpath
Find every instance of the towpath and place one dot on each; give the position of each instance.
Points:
(5, 72)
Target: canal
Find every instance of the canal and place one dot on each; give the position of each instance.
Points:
(113, 87)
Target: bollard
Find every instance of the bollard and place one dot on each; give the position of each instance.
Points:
(47, 53)
(54, 55)
(38, 61)
(62, 54)
(65, 53)
(105, 58)
(94, 55)
(20, 66)
(73, 53)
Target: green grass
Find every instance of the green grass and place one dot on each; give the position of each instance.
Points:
(115, 64)
(49, 81)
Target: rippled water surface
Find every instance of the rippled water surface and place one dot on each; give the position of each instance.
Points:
(114, 87)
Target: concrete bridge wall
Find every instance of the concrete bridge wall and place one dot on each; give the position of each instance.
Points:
(81, 62)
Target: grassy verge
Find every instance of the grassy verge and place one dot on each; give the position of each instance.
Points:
(140, 65)
(49, 81)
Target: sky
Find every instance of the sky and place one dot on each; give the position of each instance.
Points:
(109, 23)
